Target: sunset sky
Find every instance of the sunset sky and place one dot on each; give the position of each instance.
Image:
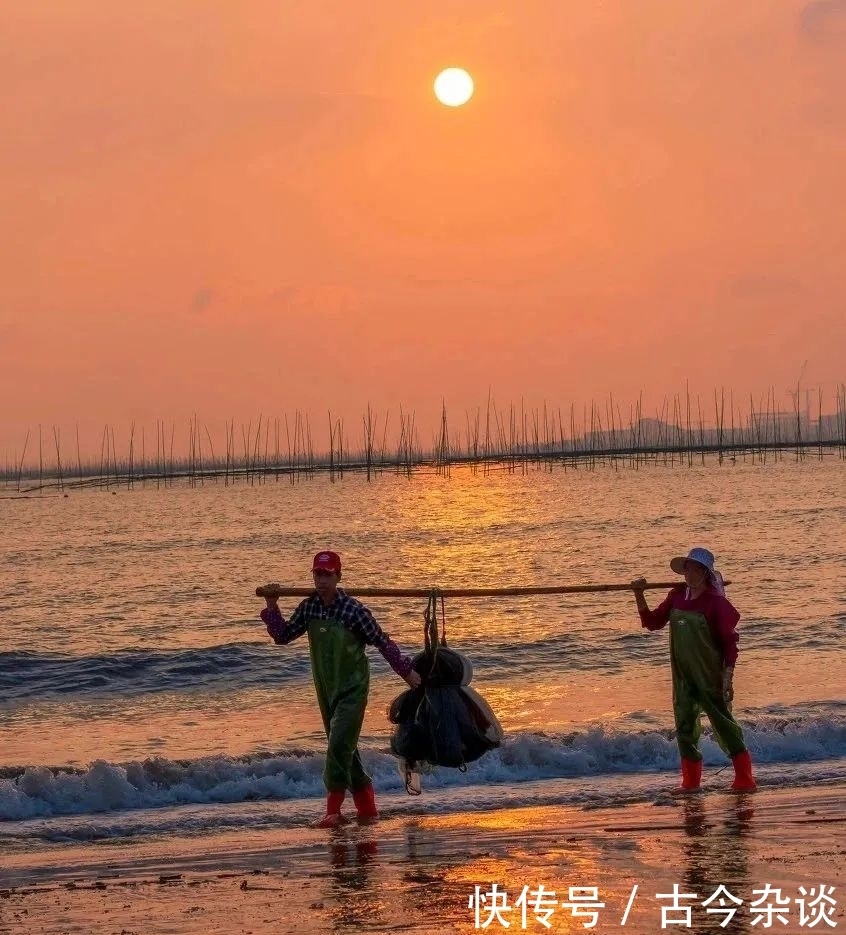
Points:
(238, 208)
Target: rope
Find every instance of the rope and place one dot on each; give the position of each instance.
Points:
(433, 642)
(436, 596)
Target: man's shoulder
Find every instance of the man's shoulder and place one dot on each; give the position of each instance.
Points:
(348, 601)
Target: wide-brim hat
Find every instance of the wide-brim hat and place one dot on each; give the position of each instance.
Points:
(702, 556)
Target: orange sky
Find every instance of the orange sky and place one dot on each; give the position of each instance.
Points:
(230, 208)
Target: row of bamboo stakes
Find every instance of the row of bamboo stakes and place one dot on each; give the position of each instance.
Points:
(491, 440)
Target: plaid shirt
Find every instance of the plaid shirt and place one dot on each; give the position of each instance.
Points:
(349, 612)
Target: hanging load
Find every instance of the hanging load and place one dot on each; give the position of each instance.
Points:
(444, 722)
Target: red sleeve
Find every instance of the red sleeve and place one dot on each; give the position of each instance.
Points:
(658, 618)
(724, 623)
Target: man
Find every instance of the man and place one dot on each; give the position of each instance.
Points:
(338, 628)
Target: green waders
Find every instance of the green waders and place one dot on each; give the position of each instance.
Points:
(341, 679)
(698, 686)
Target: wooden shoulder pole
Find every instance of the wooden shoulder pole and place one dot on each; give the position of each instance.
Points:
(264, 591)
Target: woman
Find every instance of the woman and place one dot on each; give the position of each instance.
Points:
(703, 652)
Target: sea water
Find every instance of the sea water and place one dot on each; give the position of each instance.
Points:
(140, 694)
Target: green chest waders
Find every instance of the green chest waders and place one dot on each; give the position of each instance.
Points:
(341, 679)
(697, 669)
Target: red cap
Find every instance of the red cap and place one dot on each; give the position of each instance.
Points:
(327, 561)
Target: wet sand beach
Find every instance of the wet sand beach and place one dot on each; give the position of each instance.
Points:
(418, 874)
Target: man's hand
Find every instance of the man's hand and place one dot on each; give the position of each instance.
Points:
(272, 601)
(728, 684)
(413, 679)
(274, 628)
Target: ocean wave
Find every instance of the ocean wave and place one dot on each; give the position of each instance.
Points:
(41, 791)
(26, 675)
(29, 676)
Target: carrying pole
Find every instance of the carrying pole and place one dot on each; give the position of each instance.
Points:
(279, 591)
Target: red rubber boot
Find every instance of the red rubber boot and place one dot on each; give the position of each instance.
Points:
(365, 804)
(333, 816)
(691, 777)
(744, 781)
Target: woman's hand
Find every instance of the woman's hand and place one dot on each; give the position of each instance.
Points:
(728, 684)
(638, 585)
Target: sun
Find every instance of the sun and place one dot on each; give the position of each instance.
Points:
(454, 87)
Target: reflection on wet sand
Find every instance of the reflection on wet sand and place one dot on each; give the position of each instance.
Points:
(416, 874)
(357, 895)
(716, 854)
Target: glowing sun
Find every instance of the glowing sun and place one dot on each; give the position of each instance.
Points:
(453, 87)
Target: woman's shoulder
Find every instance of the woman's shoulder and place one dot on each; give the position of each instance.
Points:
(675, 597)
(717, 596)
(721, 603)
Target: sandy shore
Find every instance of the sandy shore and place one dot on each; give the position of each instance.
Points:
(418, 874)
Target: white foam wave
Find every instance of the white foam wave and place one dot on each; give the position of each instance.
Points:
(524, 757)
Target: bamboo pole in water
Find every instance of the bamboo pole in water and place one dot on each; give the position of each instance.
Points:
(57, 438)
(265, 591)
(20, 466)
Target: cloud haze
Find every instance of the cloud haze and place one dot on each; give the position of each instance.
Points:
(232, 209)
